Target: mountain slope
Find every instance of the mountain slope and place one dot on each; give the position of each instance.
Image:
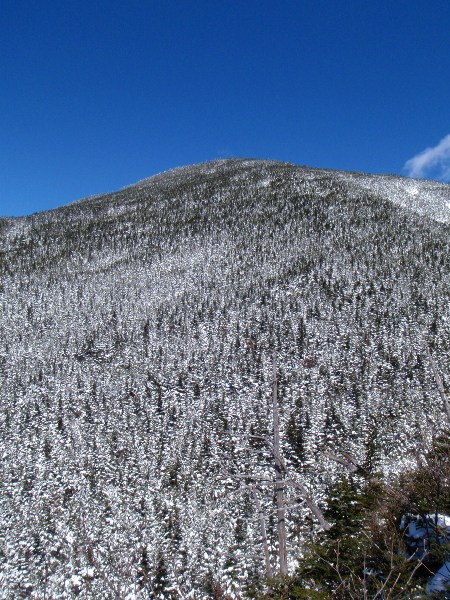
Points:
(138, 331)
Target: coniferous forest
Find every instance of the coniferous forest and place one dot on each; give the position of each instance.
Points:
(140, 333)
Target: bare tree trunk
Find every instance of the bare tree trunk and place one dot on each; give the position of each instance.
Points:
(439, 384)
(282, 480)
(262, 524)
(279, 476)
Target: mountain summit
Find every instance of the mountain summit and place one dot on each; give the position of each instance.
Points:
(139, 330)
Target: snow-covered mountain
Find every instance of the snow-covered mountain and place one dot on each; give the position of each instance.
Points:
(137, 338)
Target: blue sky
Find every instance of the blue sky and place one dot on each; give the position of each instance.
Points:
(97, 95)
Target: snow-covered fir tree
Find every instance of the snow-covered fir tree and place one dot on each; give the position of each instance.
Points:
(137, 334)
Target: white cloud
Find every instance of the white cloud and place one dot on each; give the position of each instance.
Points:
(434, 161)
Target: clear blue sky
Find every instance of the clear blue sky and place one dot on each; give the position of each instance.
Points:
(97, 95)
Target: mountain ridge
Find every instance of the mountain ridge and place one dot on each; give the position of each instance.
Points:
(412, 187)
